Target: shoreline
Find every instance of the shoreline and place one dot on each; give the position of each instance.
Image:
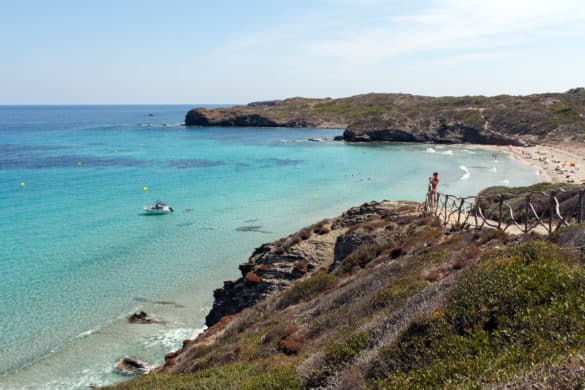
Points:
(541, 156)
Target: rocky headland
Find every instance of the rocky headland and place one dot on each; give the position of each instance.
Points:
(497, 120)
(385, 296)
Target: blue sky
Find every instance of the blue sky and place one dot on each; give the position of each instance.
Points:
(101, 52)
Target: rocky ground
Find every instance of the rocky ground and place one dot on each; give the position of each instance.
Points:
(498, 120)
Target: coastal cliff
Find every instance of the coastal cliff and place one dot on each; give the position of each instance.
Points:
(498, 120)
(385, 297)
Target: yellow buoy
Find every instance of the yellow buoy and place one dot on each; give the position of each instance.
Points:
(79, 163)
(22, 185)
(145, 189)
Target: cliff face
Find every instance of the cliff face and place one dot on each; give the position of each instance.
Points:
(499, 120)
(384, 297)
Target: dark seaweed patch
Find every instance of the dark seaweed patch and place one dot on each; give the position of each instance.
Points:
(252, 228)
(281, 162)
(64, 161)
(191, 163)
(11, 148)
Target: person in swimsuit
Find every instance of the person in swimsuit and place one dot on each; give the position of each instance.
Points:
(433, 188)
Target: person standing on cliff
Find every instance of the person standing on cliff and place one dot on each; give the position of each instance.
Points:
(433, 189)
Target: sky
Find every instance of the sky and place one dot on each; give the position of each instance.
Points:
(222, 52)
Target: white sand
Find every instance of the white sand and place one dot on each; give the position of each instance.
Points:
(542, 156)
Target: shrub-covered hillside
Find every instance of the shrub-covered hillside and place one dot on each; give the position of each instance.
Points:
(501, 119)
(402, 303)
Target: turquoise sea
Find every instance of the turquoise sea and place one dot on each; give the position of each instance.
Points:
(77, 255)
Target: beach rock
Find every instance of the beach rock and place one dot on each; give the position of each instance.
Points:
(141, 317)
(130, 366)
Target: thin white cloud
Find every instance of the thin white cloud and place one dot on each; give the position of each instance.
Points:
(452, 25)
(470, 57)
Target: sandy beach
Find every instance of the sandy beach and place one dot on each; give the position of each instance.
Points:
(558, 163)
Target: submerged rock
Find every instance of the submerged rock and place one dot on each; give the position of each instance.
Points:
(140, 317)
(130, 366)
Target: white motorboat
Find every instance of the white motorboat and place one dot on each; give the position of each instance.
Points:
(160, 207)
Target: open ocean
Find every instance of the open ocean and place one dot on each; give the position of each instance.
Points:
(77, 255)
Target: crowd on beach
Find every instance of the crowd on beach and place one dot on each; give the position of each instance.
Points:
(567, 169)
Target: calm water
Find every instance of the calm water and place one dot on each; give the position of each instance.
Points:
(77, 256)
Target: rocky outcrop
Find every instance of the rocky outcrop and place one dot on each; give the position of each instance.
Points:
(440, 129)
(142, 317)
(499, 120)
(130, 366)
(273, 267)
(203, 117)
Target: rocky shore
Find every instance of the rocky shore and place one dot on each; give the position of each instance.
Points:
(498, 120)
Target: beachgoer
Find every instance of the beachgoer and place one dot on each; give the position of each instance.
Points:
(433, 188)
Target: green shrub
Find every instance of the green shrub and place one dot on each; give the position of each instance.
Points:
(346, 346)
(363, 255)
(396, 294)
(234, 377)
(517, 308)
(561, 108)
(307, 289)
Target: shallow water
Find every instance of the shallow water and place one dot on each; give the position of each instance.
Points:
(77, 255)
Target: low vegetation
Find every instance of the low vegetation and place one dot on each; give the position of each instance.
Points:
(517, 308)
(307, 289)
(412, 305)
(230, 377)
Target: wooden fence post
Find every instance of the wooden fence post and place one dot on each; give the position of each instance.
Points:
(475, 211)
(501, 203)
(459, 211)
(580, 215)
(527, 206)
(551, 211)
(446, 201)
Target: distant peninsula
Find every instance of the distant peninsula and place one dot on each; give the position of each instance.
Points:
(497, 120)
